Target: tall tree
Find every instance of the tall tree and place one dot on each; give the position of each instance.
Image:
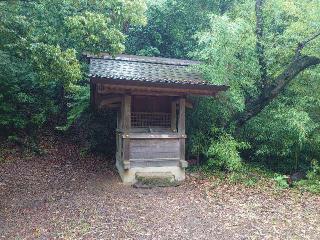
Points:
(268, 52)
(298, 63)
(281, 44)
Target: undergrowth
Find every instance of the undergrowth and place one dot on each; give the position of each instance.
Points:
(257, 176)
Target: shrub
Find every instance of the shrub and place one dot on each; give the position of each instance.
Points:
(314, 172)
(312, 183)
(281, 181)
(95, 130)
(224, 153)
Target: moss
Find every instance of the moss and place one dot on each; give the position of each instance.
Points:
(156, 181)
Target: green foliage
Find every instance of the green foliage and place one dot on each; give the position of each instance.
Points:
(171, 25)
(52, 64)
(227, 48)
(284, 136)
(98, 32)
(248, 175)
(41, 42)
(196, 142)
(96, 131)
(312, 186)
(281, 181)
(312, 183)
(314, 172)
(242, 177)
(78, 103)
(24, 102)
(224, 153)
(199, 121)
(280, 135)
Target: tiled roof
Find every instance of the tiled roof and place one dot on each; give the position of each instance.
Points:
(146, 69)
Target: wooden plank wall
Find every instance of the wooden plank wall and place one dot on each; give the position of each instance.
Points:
(154, 152)
(154, 149)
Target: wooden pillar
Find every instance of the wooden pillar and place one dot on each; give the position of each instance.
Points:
(174, 116)
(118, 137)
(126, 126)
(182, 113)
(93, 93)
(126, 113)
(182, 131)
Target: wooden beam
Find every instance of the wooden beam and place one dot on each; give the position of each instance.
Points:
(111, 105)
(152, 136)
(160, 85)
(142, 92)
(156, 91)
(189, 104)
(110, 102)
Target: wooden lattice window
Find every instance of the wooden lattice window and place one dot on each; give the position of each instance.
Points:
(150, 119)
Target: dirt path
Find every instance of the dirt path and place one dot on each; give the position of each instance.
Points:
(62, 195)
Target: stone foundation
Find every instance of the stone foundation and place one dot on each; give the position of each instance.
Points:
(129, 176)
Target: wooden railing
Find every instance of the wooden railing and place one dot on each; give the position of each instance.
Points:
(150, 119)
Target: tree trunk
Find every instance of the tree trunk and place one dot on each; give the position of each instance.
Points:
(259, 44)
(255, 107)
(271, 88)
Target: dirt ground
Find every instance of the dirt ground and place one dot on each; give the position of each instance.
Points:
(63, 195)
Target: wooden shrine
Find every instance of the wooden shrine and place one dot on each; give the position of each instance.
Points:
(150, 96)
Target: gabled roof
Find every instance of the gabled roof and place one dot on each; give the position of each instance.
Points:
(146, 69)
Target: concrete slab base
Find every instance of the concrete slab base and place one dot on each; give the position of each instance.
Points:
(129, 176)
